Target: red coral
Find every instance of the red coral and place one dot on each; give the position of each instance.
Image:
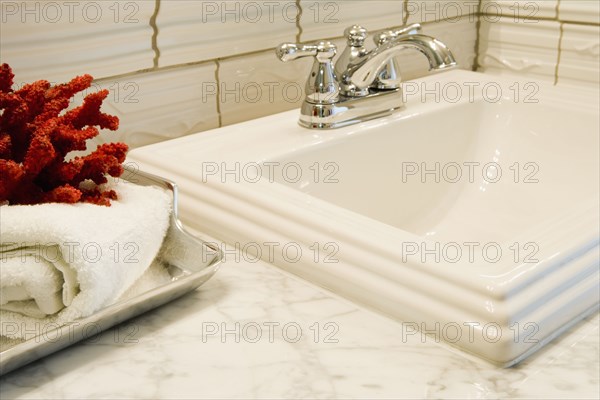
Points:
(35, 138)
(6, 78)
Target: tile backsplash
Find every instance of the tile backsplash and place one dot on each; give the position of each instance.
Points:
(192, 30)
(59, 40)
(327, 19)
(175, 67)
(553, 40)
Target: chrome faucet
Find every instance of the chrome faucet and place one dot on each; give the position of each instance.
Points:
(363, 85)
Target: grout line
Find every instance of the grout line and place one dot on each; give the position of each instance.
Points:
(556, 18)
(560, 40)
(476, 65)
(124, 75)
(566, 21)
(218, 98)
(155, 33)
(146, 70)
(176, 66)
(510, 17)
(298, 24)
(424, 24)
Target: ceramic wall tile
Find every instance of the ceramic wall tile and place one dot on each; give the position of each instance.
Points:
(161, 105)
(113, 41)
(520, 11)
(191, 31)
(438, 10)
(328, 19)
(517, 36)
(526, 49)
(579, 11)
(57, 41)
(580, 55)
(256, 85)
(460, 37)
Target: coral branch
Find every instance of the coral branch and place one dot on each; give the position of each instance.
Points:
(35, 140)
(6, 78)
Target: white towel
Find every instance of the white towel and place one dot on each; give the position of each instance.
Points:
(61, 262)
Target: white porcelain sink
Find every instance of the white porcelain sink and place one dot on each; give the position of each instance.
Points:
(497, 261)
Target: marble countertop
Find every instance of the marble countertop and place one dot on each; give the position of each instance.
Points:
(253, 331)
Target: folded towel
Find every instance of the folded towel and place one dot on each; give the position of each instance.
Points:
(21, 327)
(61, 262)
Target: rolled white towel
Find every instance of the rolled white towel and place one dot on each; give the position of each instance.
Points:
(61, 262)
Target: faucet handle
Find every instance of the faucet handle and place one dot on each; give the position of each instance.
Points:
(385, 36)
(322, 51)
(322, 86)
(356, 35)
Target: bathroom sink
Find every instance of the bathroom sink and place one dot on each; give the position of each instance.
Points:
(471, 215)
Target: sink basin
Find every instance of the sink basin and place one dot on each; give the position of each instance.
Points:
(471, 215)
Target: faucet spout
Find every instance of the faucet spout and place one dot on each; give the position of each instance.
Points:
(363, 73)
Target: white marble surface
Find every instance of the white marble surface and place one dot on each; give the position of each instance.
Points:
(166, 354)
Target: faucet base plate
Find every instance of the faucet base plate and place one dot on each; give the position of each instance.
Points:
(351, 110)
